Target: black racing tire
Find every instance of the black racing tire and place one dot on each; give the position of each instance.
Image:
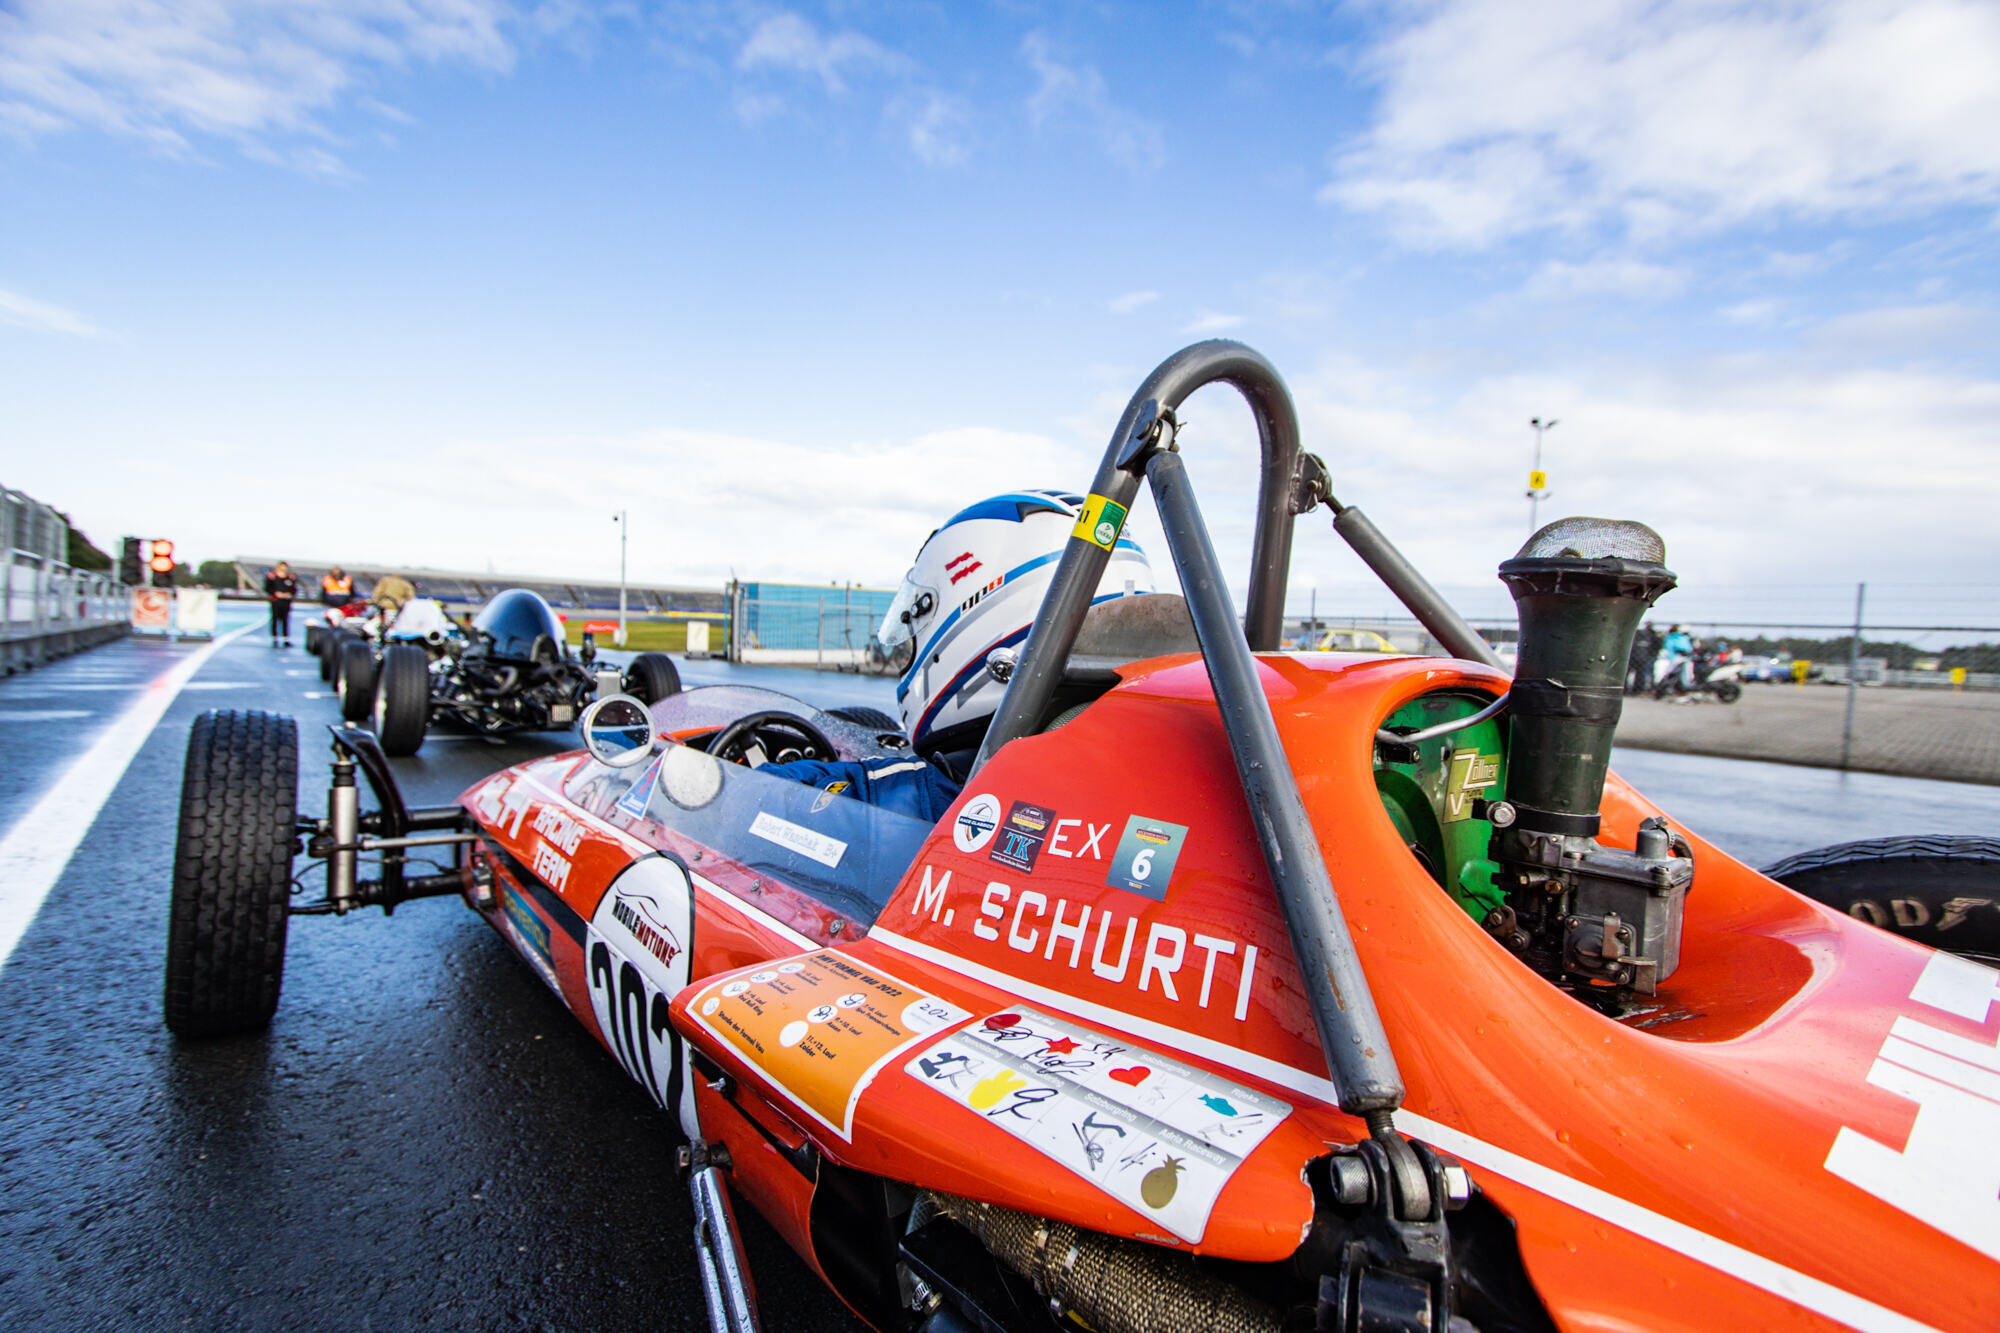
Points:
(402, 698)
(1729, 691)
(354, 680)
(232, 873)
(312, 638)
(1936, 889)
(329, 651)
(652, 677)
(863, 716)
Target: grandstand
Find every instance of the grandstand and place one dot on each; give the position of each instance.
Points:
(461, 590)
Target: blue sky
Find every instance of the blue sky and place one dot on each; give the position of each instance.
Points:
(447, 281)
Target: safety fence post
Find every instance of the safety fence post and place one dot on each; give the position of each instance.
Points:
(1853, 675)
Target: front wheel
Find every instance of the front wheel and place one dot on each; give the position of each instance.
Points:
(232, 873)
(1729, 691)
(652, 677)
(402, 698)
(1938, 890)
(354, 680)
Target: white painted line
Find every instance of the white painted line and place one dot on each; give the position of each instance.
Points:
(39, 846)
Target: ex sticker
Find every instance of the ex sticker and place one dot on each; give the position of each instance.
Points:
(1144, 861)
(1100, 522)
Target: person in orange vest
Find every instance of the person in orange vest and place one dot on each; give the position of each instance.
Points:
(336, 587)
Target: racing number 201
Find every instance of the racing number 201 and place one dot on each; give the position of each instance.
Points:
(638, 1026)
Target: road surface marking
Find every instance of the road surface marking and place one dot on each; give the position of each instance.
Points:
(39, 846)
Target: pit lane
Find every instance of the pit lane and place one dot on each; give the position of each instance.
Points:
(424, 1138)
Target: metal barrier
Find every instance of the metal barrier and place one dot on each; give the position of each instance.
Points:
(48, 609)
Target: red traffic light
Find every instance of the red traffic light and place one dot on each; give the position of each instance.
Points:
(162, 551)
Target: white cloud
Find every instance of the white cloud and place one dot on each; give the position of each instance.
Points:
(1210, 321)
(1559, 280)
(1076, 95)
(1768, 476)
(1131, 301)
(260, 74)
(27, 313)
(789, 42)
(935, 125)
(1657, 118)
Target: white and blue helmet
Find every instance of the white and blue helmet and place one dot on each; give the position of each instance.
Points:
(975, 587)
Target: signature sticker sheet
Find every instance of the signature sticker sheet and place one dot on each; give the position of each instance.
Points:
(821, 1027)
(1151, 1132)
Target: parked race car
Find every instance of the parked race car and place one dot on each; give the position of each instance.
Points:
(1259, 991)
(509, 669)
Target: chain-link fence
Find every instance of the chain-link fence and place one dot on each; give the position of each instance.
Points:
(1872, 679)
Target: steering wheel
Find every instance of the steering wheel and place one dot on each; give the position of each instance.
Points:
(733, 742)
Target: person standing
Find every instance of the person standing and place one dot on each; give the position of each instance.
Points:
(281, 588)
(336, 587)
(1645, 652)
(392, 593)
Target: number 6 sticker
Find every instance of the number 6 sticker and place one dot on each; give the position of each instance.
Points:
(1144, 861)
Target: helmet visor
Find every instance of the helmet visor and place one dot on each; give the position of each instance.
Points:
(913, 604)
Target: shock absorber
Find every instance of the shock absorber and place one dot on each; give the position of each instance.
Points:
(343, 820)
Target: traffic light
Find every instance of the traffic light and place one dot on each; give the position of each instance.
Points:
(132, 563)
(161, 562)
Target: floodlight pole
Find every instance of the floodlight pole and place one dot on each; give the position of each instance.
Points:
(624, 528)
(1535, 494)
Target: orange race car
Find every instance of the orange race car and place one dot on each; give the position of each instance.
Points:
(1263, 991)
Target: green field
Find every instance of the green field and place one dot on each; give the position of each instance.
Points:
(666, 636)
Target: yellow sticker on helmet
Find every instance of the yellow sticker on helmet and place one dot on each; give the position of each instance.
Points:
(1100, 522)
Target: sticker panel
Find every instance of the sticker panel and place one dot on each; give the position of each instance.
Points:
(1100, 522)
(821, 1027)
(1144, 861)
(976, 822)
(1471, 773)
(1022, 834)
(798, 838)
(1152, 1132)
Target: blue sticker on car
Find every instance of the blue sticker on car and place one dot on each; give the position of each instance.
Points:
(1144, 861)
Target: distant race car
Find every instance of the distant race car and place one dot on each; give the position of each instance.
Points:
(509, 669)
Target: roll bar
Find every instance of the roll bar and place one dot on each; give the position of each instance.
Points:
(1292, 482)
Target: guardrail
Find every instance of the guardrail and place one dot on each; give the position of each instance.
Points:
(49, 610)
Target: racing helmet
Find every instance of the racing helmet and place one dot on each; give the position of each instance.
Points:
(976, 585)
(513, 621)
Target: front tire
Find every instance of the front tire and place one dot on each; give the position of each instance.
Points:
(354, 680)
(1729, 691)
(652, 677)
(312, 638)
(232, 874)
(1937, 890)
(402, 698)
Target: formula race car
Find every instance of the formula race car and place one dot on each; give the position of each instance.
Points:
(1260, 991)
(510, 669)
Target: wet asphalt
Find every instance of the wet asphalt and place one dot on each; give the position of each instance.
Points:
(424, 1138)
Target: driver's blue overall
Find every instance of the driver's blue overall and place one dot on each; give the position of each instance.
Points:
(909, 787)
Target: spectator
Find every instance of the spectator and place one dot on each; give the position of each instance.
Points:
(336, 587)
(392, 592)
(1645, 652)
(281, 588)
(1678, 649)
